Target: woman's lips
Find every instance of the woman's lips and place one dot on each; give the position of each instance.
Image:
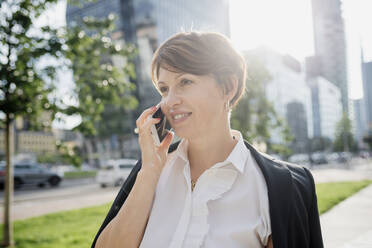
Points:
(176, 119)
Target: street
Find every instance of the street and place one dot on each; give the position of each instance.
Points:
(359, 170)
(71, 194)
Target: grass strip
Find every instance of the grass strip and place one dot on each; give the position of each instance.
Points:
(79, 174)
(330, 194)
(73, 229)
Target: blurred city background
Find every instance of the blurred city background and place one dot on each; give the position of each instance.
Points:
(309, 60)
(75, 76)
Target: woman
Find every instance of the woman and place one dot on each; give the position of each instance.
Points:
(212, 188)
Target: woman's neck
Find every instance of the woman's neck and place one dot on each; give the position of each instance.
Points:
(208, 150)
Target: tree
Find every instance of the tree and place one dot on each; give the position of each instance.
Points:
(102, 87)
(254, 115)
(27, 90)
(115, 121)
(64, 156)
(283, 149)
(344, 140)
(24, 88)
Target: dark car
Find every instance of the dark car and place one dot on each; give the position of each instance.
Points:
(31, 174)
(319, 158)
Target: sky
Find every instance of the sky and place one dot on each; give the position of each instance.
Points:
(285, 26)
(272, 23)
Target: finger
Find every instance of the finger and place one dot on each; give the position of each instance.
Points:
(164, 145)
(148, 123)
(144, 115)
(145, 131)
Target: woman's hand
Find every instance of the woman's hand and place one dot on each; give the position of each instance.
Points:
(153, 157)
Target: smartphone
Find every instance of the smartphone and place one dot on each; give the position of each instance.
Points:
(160, 130)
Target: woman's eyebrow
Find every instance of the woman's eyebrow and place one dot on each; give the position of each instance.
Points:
(161, 82)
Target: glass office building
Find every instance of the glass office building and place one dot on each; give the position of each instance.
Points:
(330, 44)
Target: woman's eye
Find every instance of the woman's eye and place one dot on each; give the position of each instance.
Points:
(163, 89)
(186, 81)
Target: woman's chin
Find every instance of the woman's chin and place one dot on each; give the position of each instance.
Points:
(182, 133)
(179, 134)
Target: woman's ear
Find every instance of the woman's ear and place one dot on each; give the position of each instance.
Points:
(232, 88)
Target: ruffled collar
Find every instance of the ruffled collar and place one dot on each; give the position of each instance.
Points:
(212, 184)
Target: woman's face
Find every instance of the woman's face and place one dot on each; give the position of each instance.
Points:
(194, 105)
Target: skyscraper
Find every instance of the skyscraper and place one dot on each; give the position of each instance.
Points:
(367, 92)
(289, 94)
(326, 109)
(330, 48)
(360, 127)
(297, 122)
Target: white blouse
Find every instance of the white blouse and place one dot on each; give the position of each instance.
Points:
(228, 207)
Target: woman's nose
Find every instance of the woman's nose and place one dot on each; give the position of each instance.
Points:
(171, 99)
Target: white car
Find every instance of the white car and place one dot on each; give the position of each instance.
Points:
(114, 172)
(299, 158)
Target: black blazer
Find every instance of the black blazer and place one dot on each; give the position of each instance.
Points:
(292, 202)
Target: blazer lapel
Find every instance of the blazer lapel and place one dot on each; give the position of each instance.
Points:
(279, 186)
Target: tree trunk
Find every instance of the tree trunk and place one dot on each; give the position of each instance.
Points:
(95, 152)
(9, 144)
(89, 151)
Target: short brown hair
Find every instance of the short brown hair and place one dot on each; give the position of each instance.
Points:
(202, 53)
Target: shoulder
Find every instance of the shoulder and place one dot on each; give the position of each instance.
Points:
(302, 180)
(300, 176)
(282, 174)
(299, 173)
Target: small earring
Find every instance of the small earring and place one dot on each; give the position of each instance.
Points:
(227, 106)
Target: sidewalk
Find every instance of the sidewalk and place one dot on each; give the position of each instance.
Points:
(59, 199)
(336, 174)
(349, 224)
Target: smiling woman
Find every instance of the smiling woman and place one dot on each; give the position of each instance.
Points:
(207, 67)
(185, 105)
(212, 188)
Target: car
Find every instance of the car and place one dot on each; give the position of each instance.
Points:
(31, 174)
(299, 158)
(345, 157)
(319, 158)
(332, 157)
(114, 172)
(364, 154)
